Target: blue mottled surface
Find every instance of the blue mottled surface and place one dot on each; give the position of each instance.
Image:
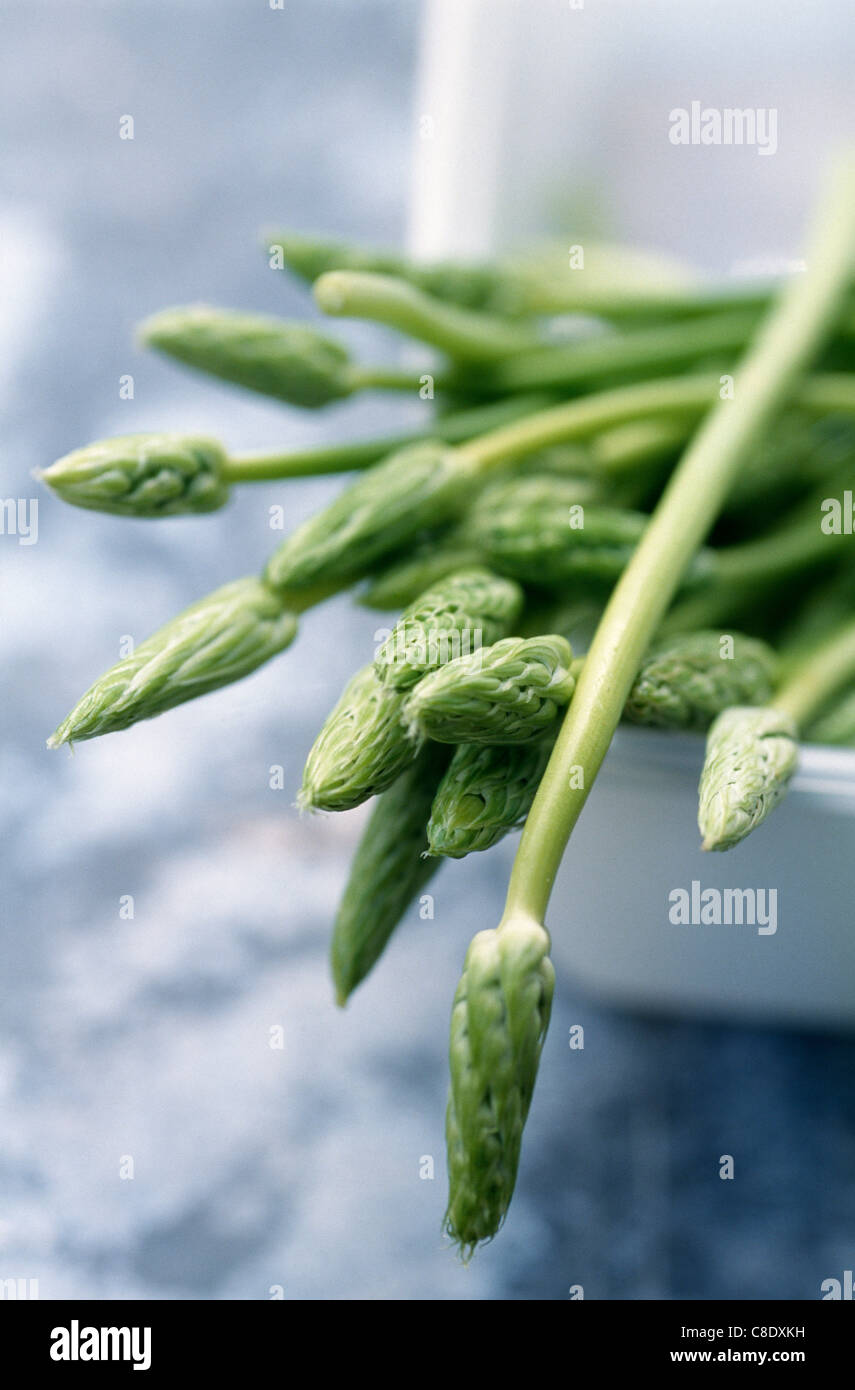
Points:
(149, 1038)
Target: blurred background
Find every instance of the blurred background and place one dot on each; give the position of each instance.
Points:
(147, 1037)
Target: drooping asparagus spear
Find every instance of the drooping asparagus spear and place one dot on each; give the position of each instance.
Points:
(390, 867)
(685, 682)
(361, 750)
(790, 338)
(752, 754)
(170, 474)
(290, 361)
(498, 1025)
(486, 793)
(220, 639)
(505, 693)
(462, 612)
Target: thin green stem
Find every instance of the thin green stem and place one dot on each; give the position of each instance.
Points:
(648, 400)
(342, 458)
(387, 379)
(784, 347)
(824, 671)
(465, 334)
(640, 350)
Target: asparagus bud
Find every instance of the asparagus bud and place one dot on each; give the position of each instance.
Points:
(389, 868)
(486, 792)
(751, 756)
(361, 749)
(277, 358)
(498, 1024)
(685, 682)
(460, 614)
(507, 693)
(469, 286)
(413, 489)
(541, 530)
(143, 475)
(223, 637)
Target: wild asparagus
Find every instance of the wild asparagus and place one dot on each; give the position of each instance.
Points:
(463, 612)
(277, 358)
(506, 693)
(498, 1024)
(361, 750)
(752, 755)
(486, 792)
(389, 869)
(220, 639)
(788, 341)
(410, 491)
(143, 475)
(684, 682)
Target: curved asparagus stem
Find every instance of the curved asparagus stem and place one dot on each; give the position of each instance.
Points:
(783, 349)
(454, 428)
(464, 334)
(641, 350)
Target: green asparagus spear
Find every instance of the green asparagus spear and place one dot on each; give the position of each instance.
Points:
(277, 358)
(143, 475)
(498, 1024)
(506, 693)
(220, 639)
(461, 613)
(486, 792)
(684, 682)
(361, 750)
(752, 754)
(389, 869)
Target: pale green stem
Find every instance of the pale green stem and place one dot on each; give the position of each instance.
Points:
(819, 676)
(656, 348)
(784, 347)
(342, 458)
(385, 379)
(648, 400)
(461, 333)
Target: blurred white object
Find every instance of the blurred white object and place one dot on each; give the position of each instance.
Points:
(519, 104)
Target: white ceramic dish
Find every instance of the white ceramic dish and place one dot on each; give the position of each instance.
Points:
(508, 92)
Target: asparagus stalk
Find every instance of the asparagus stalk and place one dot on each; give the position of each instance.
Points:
(274, 357)
(783, 349)
(467, 609)
(220, 639)
(389, 869)
(464, 334)
(752, 754)
(361, 750)
(507, 693)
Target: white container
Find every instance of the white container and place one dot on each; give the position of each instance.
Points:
(514, 96)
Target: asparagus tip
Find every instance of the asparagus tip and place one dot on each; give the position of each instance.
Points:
(329, 291)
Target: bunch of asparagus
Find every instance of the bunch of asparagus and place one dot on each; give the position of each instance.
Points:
(652, 488)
